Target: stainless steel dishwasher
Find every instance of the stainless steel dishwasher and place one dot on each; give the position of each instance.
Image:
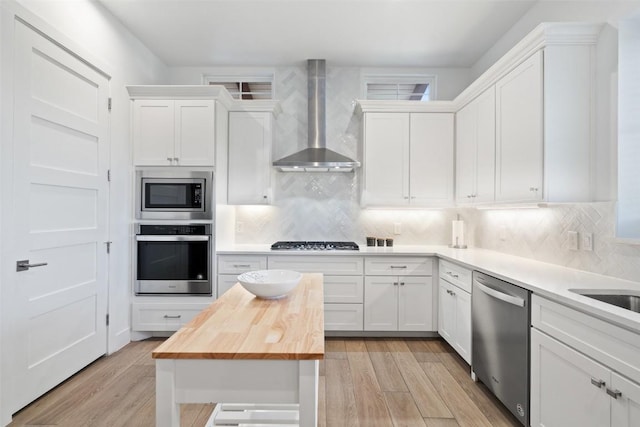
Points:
(500, 313)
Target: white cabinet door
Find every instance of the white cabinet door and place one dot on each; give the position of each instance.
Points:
(446, 312)
(462, 335)
(343, 317)
(625, 409)
(564, 386)
(226, 282)
(153, 132)
(381, 303)
(431, 159)
(485, 152)
(466, 146)
(194, 133)
(386, 159)
(415, 306)
(343, 289)
(519, 132)
(250, 135)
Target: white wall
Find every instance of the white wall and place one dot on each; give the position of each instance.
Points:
(86, 28)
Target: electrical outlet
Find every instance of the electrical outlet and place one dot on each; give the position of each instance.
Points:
(397, 228)
(573, 240)
(587, 241)
(239, 227)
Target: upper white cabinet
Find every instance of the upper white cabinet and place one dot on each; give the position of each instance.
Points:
(250, 170)
(408, 159)
(519, 132)
(533, 109)
(476, 149)
(176, 125)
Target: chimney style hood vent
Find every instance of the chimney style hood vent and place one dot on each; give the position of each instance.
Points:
(317, 157)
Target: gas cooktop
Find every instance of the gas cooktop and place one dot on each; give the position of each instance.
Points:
(314, 246)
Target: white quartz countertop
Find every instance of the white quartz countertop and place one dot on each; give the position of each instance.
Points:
(548, 280)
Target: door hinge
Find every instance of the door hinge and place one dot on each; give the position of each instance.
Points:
(109, 175)
(107, 319)
(108, 246)
(109, 104)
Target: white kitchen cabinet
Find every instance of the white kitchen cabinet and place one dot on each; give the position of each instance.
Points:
(408, 159)
(396, 298)
(454, 318)
(174, 132)
(163, 316)
(343, 286)
(250, 170)
(230, 266)
(591, 364)
(454, 309)
(475, 150)
(519, 132)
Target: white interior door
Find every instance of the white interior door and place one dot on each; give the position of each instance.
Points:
(60, 211)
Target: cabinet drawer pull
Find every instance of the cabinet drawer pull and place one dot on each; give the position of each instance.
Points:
(533, 188)
(597, 383)
(614, 393)
(401, 283)
(395, 283)
(166, 316)
(242, 265)
(398, 266)
(455, 276)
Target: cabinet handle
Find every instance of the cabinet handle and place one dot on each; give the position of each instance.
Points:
(406, 197)
(401, 283)
(241, 265)
(597, 383)
(395, 283)
(166, 316)
(474, 196)
(533, 188)
(264, 197)
(398, 266)
(413, 197)
(614, 393)
(170, 159)
(469, 196)
(176, 159)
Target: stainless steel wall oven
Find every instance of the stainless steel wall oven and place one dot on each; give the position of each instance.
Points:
(174, 194)
(173, 259)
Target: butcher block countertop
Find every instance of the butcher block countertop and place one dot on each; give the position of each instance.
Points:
(240, 326)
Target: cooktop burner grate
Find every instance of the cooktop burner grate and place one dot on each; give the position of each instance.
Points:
(314, 246)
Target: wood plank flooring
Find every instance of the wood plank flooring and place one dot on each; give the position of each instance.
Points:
(363, 383)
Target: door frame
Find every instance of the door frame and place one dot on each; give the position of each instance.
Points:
(10, 12)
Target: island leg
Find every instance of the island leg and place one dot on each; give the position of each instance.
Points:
(167, 410)
(308, 389)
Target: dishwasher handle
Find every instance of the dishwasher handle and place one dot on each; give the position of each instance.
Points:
(500, 295)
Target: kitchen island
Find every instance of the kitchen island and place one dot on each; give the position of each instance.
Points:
(250, 354)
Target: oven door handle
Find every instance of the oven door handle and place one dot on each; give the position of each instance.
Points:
(499, 295)
(156, 238)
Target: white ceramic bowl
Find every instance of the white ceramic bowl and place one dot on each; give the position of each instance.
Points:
(270, 284)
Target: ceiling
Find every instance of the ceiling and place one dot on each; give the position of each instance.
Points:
(380, 33)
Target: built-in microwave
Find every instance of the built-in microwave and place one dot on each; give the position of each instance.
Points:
(168, 194)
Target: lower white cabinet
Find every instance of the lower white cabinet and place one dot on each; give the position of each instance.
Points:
(398, 303)
(454, 318)
(163, 316)
(343, 286)
(574, 363)
(230, 266)
(343, 317)
(454, 307)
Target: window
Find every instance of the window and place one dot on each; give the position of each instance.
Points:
(399, 87)
(244, 87)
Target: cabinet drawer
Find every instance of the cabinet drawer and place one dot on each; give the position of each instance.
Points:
(237, 264)
(343, 317)
(343, 289)
(455, 274)
(337, 265)
(398, 266)
(605, 342)
(163, 317)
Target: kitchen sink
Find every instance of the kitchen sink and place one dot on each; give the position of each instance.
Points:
(628, 300)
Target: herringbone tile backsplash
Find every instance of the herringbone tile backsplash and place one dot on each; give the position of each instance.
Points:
(319, 206)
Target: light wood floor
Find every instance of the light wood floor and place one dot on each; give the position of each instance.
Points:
(363, 382)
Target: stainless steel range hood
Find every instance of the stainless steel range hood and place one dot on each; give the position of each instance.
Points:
(317, 157)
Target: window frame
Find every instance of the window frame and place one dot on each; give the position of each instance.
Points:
(398, 78)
